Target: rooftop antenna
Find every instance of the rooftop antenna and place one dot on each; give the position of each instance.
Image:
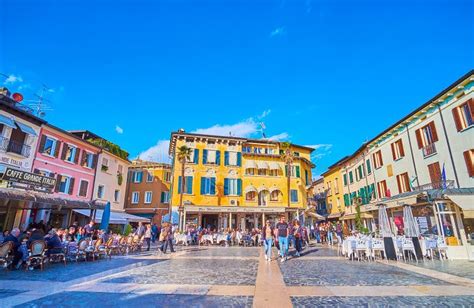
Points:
(262, 130)
(39, 105)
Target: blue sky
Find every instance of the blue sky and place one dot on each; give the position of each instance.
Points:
(326, 73)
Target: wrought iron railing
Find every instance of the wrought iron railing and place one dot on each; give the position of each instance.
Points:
(3, 143)
(436, 185)
(429, 150)
(19, 148)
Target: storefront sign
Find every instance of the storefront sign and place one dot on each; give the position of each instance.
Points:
(28, 178)
(218, 209)
(13, 162)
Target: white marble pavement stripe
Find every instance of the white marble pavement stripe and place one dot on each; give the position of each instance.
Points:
(433, 273)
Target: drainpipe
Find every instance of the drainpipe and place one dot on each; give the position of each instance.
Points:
(412, 156)
(449, 146)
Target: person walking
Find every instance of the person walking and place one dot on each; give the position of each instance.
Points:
(330, 233)
(298, 234)
(147, 236)
(267, 236)
(339, 233)
(167, 234)
(283, 232)
(154, 233)
(140, 230)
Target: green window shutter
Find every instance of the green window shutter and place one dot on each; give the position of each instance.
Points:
(351, 177)
(203, 185)
(239, 187)
(369, 170)
(226, 187)
(345, 179)
(189, 184)
(162, 197)
(306, 177)
(297, 171)
(179, 184)
(212, 190)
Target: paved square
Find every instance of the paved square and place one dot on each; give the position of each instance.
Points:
(211, 276)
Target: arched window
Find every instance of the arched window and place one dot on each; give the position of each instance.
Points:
(274, 195)
(251, 195)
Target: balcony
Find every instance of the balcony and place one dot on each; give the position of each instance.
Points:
(429, 150)
(435, 185)
(3, 144)
(18, 148)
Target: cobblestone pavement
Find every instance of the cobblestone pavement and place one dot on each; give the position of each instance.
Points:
(211, 276)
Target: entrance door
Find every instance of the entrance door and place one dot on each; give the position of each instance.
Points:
(263, 197)
(209, 221)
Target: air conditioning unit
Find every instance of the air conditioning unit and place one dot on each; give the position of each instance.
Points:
(234, 202)
(187, 202)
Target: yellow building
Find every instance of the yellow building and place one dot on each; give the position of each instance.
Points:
(237, 182)
(334, 190)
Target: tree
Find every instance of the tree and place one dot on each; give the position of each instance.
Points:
(183, 155)
(288, 158)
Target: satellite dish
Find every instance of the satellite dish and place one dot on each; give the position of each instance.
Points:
(17, 97)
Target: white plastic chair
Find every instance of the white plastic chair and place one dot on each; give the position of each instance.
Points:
(378, 247)
(361, 248)
(408, 246)
(442, 248)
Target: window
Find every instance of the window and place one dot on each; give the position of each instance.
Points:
(135, 197)
(464, 115)
(246, 149)
(165, 197)
(208, 186)
(351, 177)
(426, 135)
(232, 158)
(100, 191)
(336, 188)
(137, 176)
(116, 195)
(148, 197)
(296, 154)
(251, 196)
(329, 186)
(212, 157)
(188, 185)
(65, 184)
(105, 164)
(306, 177)
(369, 168)
(469, 159)
(120, 169)
(167, 176)
(83, 188)
(250, 171)
(69, 153)
(347, 201)
(232, 187)
(295, 171)
(397, 150)
(344, 177)
(361, 172)
(273, 172)
(403, 183)
(149, 177)
(382, 188)
(294, 195)
(378, 161)
(49, 147)
(274, 195)
(262, 171)
(88, 159)
(435, 175)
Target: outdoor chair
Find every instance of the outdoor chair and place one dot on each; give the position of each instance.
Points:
(408, 247)
(83, 249)
(56, 257)
(37, 254)
(442, 248)
(5, 257)
(111, 247)
(72, 250)
(378, 248)
(99, 250)
(123, 245)
(362, 249)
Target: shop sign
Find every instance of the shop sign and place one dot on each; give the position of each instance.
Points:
(219, 209)
(37, 181)
(13, 162)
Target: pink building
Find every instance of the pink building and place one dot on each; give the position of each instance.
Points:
(72, 161)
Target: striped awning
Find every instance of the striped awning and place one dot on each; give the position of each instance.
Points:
(249, 189)
(274, 166)
(250, 164)
(7, 121)
(262, 165)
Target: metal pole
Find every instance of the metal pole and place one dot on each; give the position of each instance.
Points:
(449, 147)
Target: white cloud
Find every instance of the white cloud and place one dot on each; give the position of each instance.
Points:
(118, 129)
(264, 114)
(11, 79)
(279, 137)
(157, 153)
(278, 31)
(241, 129)
(320, 150)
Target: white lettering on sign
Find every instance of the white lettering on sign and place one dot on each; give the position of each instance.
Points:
(13, 162)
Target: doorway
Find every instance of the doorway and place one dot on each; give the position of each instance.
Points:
(210, 221)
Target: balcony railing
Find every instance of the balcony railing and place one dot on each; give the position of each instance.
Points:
(436, 185)
(18, 148)
(429, 150)
(3, 143)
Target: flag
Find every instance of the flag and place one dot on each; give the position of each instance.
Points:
(443, 177)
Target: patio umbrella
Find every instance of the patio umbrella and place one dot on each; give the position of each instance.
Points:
(175, 218)
(384, 222)
(104, 224)
(410, 225)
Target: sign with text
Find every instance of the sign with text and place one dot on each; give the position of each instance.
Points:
(28, 178)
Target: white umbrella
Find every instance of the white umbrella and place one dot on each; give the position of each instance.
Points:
(384, 222)
(409, 224)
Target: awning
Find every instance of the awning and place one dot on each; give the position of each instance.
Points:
(316, 215)
(274, 166)
(262, 188)
(262, 165)
(362, 215)
(334, 215)
(26, 129)
(7, 121)
(249, 189)
(272, 189)
(116, 218)
(250, 164)
(466, 203)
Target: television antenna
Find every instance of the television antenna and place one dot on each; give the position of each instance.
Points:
(40, 105)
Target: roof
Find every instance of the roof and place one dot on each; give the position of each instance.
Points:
(12, 106)
(264, 141)
(138, 163)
